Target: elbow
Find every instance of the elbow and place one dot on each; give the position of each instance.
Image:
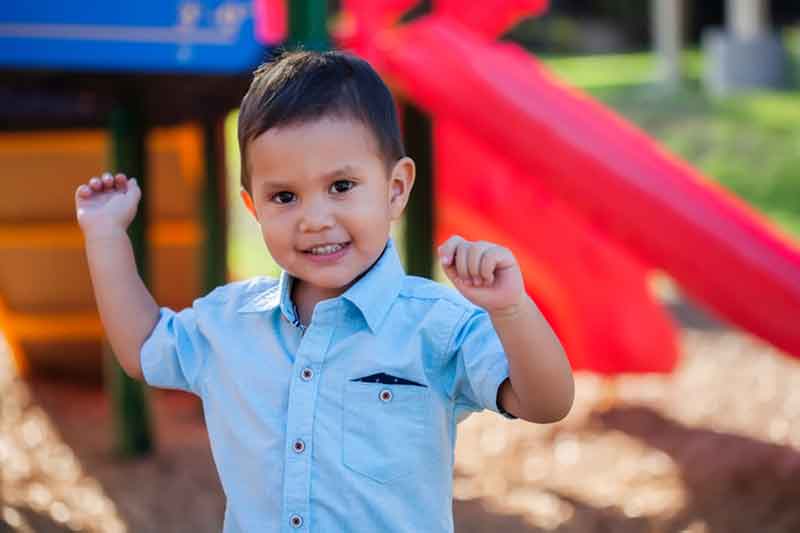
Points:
(558, 413)
(548, 416)
(552, 411)
(562, 408)
(569, 399)
(561, 405)
(132, 368)
(135, 374)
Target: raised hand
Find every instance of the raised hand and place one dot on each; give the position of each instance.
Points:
(106, 204)
(486, 274)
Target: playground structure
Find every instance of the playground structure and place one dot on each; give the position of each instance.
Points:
(682, 452)
(50, 311)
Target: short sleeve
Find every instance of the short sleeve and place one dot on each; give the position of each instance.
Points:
(173, 355)
(481, 364)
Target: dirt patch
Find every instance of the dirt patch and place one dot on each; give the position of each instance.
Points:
(712, 448)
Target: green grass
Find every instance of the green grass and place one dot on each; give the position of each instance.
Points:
(748, 143)
(610, 70)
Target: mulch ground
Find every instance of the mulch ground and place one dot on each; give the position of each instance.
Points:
(712, 448)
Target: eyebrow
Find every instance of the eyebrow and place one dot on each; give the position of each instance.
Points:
(342, 172)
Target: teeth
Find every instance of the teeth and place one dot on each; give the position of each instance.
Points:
(327, 249)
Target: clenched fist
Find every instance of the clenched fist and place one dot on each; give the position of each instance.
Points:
(486, 274)
(106, 204)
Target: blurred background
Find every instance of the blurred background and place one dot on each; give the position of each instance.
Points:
(641, 158)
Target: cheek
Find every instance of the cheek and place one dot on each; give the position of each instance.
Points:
(274, 231)
(368, 216)
(374, 206)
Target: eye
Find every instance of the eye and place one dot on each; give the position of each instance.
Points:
(340, 186)
(283, 197)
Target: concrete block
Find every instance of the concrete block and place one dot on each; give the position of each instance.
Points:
(734, 64)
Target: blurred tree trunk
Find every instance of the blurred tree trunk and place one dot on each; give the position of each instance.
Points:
(668, 26)
(747, 19)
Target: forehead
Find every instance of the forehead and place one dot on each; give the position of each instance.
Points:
(311, 149)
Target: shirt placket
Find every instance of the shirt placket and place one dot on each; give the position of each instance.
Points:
(307, 370)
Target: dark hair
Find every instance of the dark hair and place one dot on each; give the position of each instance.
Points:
(301, 86)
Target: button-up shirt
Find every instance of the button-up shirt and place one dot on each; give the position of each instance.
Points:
(348, 424)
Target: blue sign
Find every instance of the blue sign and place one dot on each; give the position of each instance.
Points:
(209, 36)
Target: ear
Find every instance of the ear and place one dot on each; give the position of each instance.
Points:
(401, 181)
(248, 203)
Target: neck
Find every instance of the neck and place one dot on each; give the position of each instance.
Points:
(306, 296)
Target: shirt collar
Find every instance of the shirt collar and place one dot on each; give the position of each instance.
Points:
(377, 289)
(373, 294)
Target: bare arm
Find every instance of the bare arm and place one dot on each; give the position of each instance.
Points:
(540, 386)
(105, 207)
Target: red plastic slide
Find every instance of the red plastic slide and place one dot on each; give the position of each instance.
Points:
(589, 203)
(592, 290)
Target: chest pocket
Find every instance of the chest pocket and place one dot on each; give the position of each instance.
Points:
(384, 429)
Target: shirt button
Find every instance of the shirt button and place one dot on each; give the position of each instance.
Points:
(296, 520)
(307, 374)
(385, 395)
(299, 446)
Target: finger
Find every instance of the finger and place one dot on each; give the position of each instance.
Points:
(505, 259)
(460, 260)
(475, 253)
(84, 191)
(489, 264)
(448, 249)
(108, 181)
(452, 275)
(121, 182)
(96, 184)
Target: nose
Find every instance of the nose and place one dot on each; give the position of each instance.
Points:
(317, 216)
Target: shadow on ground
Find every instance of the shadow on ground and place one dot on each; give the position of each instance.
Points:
(733, 483)
(472, 517)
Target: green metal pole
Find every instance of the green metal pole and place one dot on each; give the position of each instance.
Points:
(420, 219)
(131, 415)
(308, 24)
(213, 207)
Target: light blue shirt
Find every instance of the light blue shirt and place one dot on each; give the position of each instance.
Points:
(346, 425)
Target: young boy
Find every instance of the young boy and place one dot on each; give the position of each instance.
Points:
(331, 395)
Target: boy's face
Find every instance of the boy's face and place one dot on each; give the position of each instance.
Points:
(323, 200)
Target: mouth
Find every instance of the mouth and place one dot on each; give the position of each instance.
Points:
(327, 249)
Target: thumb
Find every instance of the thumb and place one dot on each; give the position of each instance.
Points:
(450, 271)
